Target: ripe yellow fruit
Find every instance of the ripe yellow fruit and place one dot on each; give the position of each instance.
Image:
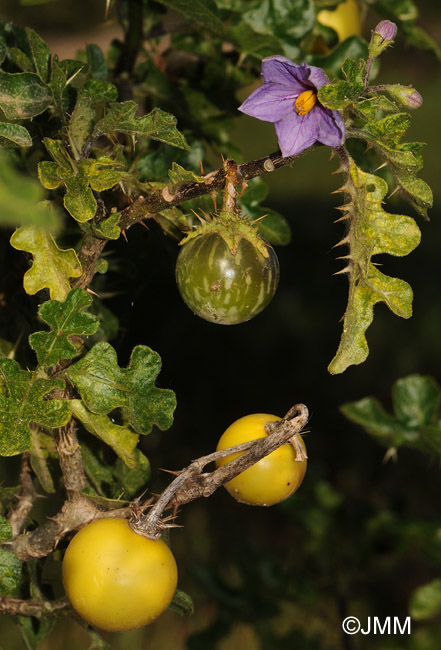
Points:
(116, 579)
(345, 19)
(272, 479)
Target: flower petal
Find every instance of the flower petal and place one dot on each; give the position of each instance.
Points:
(270, 102)
(280, 70)
(296, 133)
(317, 77)
(331, 128)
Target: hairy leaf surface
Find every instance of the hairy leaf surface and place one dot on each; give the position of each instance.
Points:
(23, 95)
(52, 266)
(104, 386)
(123, 440)
(372, 231)
(66, 320)
(10, 572)
(158, 125)
(26, 402)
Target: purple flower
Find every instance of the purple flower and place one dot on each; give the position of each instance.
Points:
(288, 98)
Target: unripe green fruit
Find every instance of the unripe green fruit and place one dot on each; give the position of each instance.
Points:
(222, 286)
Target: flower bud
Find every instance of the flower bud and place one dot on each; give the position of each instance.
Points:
(387, 30)
(382, 36)
(414, 100)
(405, 95)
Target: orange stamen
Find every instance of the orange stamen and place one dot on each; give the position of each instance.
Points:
(305, 102)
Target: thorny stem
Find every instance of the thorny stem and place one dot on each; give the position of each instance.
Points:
(77, 511)
(73, 515)
(69, 453)
(88, 255)
(146, 206)
(230, 189)
(26, 497)
(32, 607)
(191, 483)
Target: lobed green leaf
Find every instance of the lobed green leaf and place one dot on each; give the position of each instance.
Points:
(391, 127)
(104, 386)
(66, 319)
(418, 37)
(132, 479)
(158, 125)
(373, 106)
(372, 231)
(52, 266)
(26, 402)
(416, 191)
(339, 94)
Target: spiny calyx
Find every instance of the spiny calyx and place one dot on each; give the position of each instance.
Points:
(232, 226)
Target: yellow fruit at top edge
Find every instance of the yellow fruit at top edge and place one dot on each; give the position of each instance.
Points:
(271, 480)
(345, 19)
(116, 579)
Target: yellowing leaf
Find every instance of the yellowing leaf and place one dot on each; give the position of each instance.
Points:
(123, 440)
(372, 231)
(52, 266)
